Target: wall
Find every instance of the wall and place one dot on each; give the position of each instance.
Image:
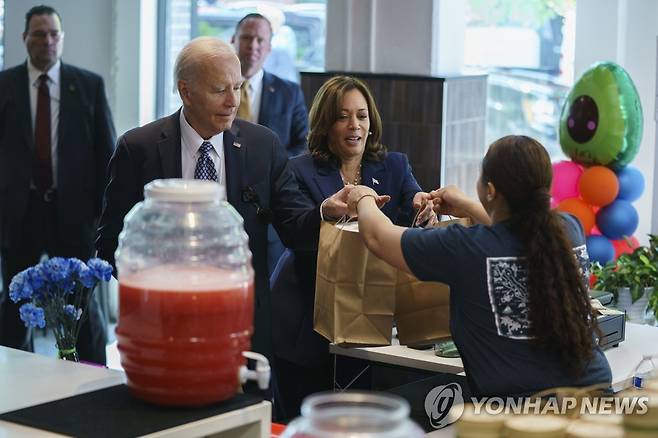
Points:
(86, 24)
(625, 31)
(383, 36)
(106, 37)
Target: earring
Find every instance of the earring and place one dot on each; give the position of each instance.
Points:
(370, 132)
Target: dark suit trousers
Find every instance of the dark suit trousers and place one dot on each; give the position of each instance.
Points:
(40, 236)
(294, 382)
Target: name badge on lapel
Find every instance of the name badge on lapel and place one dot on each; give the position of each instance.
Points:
(237, 145)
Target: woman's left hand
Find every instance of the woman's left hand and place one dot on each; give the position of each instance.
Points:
(358, 193)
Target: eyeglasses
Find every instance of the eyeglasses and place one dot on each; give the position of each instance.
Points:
(41, 35)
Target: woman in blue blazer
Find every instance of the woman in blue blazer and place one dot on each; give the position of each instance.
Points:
(344, 149)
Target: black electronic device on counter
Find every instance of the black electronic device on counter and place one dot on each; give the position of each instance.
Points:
(613, 329)
(605, 298)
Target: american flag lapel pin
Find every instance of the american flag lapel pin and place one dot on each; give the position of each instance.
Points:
(237, 145)
(374, 181)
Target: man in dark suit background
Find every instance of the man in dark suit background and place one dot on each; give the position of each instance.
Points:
(273, 102)
(246, 157)
(269, 100)
(56, 138)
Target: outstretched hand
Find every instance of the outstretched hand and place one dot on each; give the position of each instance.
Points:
(360, 192)
(450, 200)
(423, 201)
(335, 206)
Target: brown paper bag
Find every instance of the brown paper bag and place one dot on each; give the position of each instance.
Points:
(422, 308)
(354, 290)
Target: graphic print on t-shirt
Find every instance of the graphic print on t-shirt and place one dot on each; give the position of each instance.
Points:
(506, 283)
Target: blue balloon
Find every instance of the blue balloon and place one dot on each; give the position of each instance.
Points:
(617, 220)
(631, 183)
(600, 249)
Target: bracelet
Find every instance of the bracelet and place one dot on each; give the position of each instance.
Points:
(356, 204)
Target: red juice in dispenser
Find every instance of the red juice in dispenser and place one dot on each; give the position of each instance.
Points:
(186, 296)
(181, 332)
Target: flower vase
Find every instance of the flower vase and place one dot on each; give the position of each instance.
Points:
(69, 354)
(635, 311)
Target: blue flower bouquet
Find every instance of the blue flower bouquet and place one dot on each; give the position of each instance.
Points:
(58, 292)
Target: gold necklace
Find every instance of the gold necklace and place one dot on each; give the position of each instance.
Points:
(357, 177)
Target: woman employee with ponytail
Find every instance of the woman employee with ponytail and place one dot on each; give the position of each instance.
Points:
(520, 314)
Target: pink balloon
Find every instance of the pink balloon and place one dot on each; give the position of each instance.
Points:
(553, 203)
(565, 180)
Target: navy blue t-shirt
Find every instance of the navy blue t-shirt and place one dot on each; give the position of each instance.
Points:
(489, 306)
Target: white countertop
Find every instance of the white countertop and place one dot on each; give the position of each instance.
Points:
(640, 339)
(28, 379)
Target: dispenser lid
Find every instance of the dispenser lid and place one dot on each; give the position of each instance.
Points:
(184, 190)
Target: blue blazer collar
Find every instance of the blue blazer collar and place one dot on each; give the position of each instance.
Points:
(373, 174)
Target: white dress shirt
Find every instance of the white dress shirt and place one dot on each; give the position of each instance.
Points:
(255, 93)
(190, 142)
(54, 82)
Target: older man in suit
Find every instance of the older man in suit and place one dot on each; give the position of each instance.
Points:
(56, 138)
(203, 140)
(268, 100)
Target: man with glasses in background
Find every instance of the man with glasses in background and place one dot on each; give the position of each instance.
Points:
(56, 139)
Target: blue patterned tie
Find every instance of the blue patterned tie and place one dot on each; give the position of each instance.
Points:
(205, 168)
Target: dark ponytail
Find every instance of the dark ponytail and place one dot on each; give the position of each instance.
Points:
(561, 316)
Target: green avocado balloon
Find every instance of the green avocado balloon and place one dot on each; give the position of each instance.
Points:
(601, 120)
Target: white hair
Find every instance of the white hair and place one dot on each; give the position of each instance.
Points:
(195, 52)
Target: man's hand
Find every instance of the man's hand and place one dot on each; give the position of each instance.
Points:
(360, 192)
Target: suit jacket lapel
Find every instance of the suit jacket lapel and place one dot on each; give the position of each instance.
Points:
(373, 174)
(68, 92)
(23, 105)
(267, 93)
(169, 147)
(328, 179)
(234, 164)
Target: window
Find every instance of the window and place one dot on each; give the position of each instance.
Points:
(2, 34)
(297, 41)
(527, 47)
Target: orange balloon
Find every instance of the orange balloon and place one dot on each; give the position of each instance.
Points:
(598, 185)
(579, 209)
